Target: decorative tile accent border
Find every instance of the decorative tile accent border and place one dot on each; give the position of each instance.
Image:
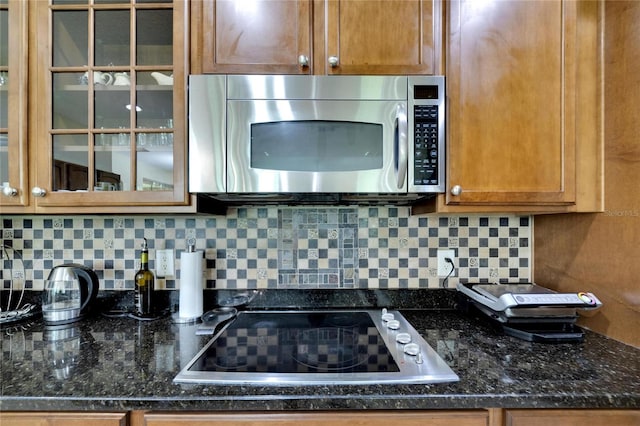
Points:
(280, 247)
(318, 247)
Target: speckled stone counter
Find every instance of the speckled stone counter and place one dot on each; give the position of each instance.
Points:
(124, 364)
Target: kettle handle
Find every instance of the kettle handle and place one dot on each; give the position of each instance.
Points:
(93, 285)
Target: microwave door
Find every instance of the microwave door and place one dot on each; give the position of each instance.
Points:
(298, 146)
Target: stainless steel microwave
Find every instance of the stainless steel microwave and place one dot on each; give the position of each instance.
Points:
(336, 138)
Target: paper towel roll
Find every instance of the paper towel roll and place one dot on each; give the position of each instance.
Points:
(191, 279)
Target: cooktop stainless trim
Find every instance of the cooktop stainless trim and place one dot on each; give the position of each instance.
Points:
(431, 368)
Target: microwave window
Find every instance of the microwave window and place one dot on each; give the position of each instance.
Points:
(316, 146)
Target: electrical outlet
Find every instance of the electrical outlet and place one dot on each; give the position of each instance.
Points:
(164, 263)
(444, 267)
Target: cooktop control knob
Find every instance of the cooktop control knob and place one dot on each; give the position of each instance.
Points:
(403, 338)
(411, 349)
(386, 316)
(393, 324)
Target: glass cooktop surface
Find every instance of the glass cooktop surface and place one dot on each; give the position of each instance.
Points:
(307, 342)
(316, 347)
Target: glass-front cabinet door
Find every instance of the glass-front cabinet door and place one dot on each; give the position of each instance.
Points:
(14, 195)
(111, 131)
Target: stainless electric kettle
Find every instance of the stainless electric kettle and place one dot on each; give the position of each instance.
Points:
(69, 292)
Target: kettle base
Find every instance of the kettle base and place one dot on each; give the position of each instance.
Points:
(61, 316)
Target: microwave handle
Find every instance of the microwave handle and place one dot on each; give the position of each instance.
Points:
(401, 145)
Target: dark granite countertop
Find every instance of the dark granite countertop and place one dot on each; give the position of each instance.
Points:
(125, 364)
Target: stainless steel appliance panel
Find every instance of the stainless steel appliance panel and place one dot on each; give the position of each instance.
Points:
(243, 178)
(224, 108)
(207, 133)
(290, 87)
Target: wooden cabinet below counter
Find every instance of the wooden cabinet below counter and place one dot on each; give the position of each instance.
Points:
(571, 417)
(334, 418)
(62, 419)
(489, 417)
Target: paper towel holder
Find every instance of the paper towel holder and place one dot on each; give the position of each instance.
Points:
(177, 317)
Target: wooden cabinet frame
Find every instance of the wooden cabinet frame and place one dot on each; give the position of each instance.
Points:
(40, 153)
(17, 113)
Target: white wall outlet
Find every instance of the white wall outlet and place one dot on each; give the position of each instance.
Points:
(444, 267)
(164, 263)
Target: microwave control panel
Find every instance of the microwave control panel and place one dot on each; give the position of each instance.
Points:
(426, 124)
(425, 162)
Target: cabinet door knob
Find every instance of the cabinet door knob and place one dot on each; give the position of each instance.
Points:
(456, 190)
(333, 61)
(8, 190)
(38, 192)
(303, 60)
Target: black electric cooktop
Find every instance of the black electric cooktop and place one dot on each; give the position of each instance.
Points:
(316, 347)
(306, 342)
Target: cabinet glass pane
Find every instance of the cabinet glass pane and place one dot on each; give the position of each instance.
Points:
(4, 38)
(112, 107)
(4, 94)
(155, 101)
(112, 157)
(112, 37)
(154, 37)
(4, 158)
(70, 168)
(70, 107)
(154, 163)
(70, 38)
(70, 1)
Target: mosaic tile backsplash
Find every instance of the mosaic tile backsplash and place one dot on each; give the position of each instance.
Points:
(277, 247)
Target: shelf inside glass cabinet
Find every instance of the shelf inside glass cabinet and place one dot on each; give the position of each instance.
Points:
(119, 88)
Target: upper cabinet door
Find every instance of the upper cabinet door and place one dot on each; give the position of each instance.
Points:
(381, 37)
(511, 86)
(251, 37)
(316, 36)
(110, 117)
(14, 195)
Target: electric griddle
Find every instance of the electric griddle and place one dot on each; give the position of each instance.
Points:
(528, 311)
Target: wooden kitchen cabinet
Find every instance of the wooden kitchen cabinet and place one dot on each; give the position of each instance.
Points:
(524, 92)
(316, 37)
(108, 91)
(13, 106)
(381, 37)
(571, 417)
(257, 37)
(62, 419)
(367, 418)
(489, 417)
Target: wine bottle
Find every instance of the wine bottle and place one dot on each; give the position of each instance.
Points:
(144, 284)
